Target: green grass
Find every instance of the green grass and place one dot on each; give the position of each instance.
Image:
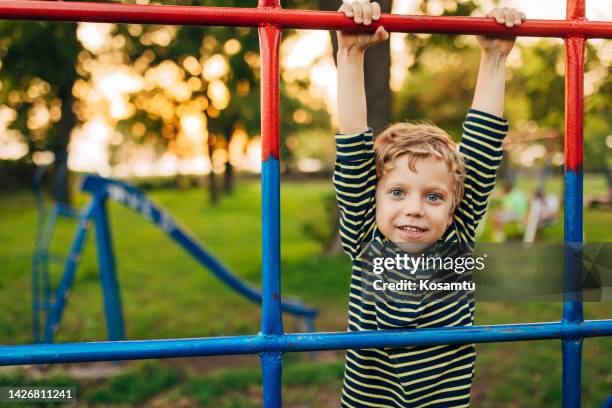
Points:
(136, 386)
(166, 294)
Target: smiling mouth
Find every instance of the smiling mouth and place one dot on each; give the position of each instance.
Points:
(411, 229)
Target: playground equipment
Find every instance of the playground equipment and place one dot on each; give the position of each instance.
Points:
(45, 226)
(95, 214)
(272, 342)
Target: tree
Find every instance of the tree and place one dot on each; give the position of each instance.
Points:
(39, 68)
(222, 64)
(440, 85)
(440, 81)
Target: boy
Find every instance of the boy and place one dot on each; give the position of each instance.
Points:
(412, 188)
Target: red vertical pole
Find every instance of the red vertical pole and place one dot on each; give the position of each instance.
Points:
(271, 322)
(574, 112)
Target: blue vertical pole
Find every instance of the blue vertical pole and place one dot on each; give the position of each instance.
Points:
(271, 311)
(574, 112)
(37, 258)
(44, 255)
(271, 322)
(36, 306)
(272, 370)
(63, 291)
(108, 275)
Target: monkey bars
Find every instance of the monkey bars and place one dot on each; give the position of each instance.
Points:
(272, 342)
(270, 12)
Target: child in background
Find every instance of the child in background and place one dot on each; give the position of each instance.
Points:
(514, 208)
(412, 186)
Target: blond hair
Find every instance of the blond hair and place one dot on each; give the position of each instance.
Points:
(420, 141)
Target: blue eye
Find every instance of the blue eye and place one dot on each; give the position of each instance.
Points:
(396, 192)
(433, 197)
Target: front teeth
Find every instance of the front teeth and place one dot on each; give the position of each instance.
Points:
(412, 230)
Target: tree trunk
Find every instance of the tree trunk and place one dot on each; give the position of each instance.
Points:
(61, 175)
(228, 176)
(213, 189)
(377, 71)
(213, 192)
(377, 75)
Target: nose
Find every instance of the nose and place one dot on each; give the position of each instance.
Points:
(413, 207)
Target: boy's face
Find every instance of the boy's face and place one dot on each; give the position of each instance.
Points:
(415, 208)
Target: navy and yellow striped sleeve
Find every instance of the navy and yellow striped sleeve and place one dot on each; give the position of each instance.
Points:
(355, 187)
(481, 147)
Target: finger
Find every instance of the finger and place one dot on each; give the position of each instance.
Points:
(508, 19)
(523, 16)
(384, 33)
(357, 12)
(346, 9)
(497, 15)
(375, 11)
(367, 14)
(514, 16)
(380, 35)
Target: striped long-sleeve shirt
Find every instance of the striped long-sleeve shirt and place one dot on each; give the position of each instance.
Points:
(424, 376)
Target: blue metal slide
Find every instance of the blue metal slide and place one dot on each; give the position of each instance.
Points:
(95, 212)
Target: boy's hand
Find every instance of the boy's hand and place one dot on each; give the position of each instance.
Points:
(502, 46)
(362, 13)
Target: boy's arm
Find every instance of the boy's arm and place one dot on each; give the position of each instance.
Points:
(481, 147)
(352, 112)
(491, 82)
(355, 187)
(484, 128)
(355, 171)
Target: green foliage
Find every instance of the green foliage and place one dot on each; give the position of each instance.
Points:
(440, 82)
(242, 80)
(440, 86)
(46, 50)
(597, 114)
(18, 378)
(38, 67)
(45, 55)
(536, 83)
(320, 228)
(536, 93)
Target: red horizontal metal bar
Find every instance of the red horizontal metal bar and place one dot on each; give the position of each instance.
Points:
(319, 20)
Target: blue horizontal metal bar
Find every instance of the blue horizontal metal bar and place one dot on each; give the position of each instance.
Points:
(254, 344)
